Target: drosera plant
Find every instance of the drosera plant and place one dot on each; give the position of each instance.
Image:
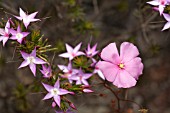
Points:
(77, 75)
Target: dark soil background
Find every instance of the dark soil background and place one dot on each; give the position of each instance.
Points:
(102, 22)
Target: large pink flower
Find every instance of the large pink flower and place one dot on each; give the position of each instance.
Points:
(124, 69)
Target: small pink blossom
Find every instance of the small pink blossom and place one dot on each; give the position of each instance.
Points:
(27, 19)
(71, 53)
(18, 35)
(160, 3)
(55, 92)
(122, 70)
(31, 60)
(5, 34)
(46, 71)
(68, 71)
(81, 77)
(90, 52)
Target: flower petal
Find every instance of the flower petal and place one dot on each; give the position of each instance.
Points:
(57, 100)
(76, 49)
(24, 63)
(109, 70)
(57, 84)
(79, 53)
(33, 53)
(166, 16)
(63, 92)
(63, 68)
(86, 76)
(22, 13)
(166, 26)
(19, 29)
(84, 81)
(33, 68)
(110, 53)
(87, 91)
(39, 61)
(32, 15)
(2, 31)
(24, 55)
(134, 67)
(124, 80)
(25, 34)
(48, 96)
(47, 87)
(99, 72)
(65, 55)
(128, 51)
(155, 3)
(161, 9)
(69, 48)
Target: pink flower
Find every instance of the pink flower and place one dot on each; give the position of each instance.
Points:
(81, 77)
(122, 70)
(90, 52)
(167, 25)
(18, 35)
(160, 3)
(31, 60)
(71, 53)
(26, 18)
(68, 71)
(55, 92)
(46, 71)
(5, 33)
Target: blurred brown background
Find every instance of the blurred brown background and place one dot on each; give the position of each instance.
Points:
(95, 21)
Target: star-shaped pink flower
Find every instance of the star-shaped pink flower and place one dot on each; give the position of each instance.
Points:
(5, 33)
(55, 92)
(122, 70)
(71, 53)
(160, 3)
(46, 71)
(27, 19)
(18, 35)
(31, 60)
(81, 77)
(68, 71)
(90, 52)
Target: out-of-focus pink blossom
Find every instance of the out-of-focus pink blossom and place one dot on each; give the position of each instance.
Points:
(68, 71)
(160, 4)
(27, 19)
(122, 70)
(81, 77)
(5, 34)
(90, 52)
(46, 71)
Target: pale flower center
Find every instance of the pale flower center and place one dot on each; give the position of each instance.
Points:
(19, 35)
(54, 91)
(31, 59)
(121, 66)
